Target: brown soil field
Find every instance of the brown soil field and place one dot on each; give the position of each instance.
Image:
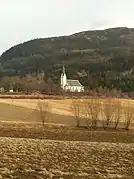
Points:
(64, 133)
(59, 150)
(30, 159)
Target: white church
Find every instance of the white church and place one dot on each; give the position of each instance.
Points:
(70, 85)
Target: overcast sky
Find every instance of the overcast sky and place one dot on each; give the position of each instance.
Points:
(22, 20)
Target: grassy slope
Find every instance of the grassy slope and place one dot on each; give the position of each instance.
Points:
(9, 112)
(58, 106)
(17, 114)
(24, 110)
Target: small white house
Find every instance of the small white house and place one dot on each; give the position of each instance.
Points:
(2, 89)
(70, 85)
(11, 91)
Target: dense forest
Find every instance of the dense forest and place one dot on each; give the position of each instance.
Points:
(99, 59)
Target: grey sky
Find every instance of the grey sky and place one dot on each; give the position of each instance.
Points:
(22, 20)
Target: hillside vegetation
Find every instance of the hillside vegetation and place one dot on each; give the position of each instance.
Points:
(97, 58)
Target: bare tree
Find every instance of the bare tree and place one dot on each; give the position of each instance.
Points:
(92, 109)
(86, 113)
(117, 112)
(128, 115)
(107, 112)
(44, 110)
(76, 110)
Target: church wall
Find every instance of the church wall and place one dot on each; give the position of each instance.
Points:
(74, 88)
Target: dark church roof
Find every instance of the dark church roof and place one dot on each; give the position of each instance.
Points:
(74, 83)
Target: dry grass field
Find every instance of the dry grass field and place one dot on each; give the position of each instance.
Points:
(59, 150)
(60, 107)
(22, 114)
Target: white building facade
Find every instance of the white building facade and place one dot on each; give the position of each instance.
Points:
(70, 85)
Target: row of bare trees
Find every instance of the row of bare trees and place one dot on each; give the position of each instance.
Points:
(102, 113)
(95, 112)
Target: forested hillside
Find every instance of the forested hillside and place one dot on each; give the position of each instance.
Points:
(97, 58)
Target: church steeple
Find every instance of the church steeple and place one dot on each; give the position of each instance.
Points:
(63, 78)
(63, 70)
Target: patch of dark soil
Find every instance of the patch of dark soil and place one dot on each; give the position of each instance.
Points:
(36, 131)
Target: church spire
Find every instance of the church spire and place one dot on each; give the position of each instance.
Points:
(63, 78)
(63, 70)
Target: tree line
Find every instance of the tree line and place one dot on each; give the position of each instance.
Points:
(94, 113)
(29, 83)
(106, 113)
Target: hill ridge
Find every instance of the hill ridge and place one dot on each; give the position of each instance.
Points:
(105, 54)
